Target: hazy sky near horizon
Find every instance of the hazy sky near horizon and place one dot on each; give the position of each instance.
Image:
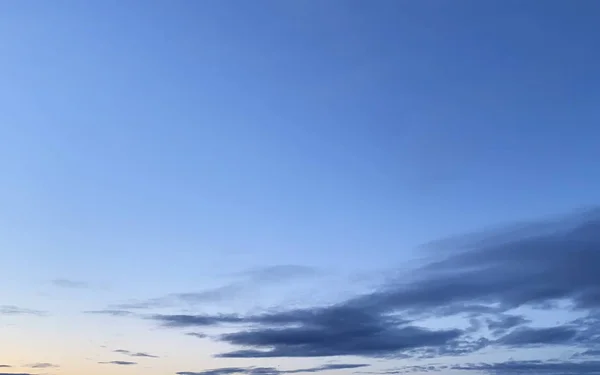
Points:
(270, 187)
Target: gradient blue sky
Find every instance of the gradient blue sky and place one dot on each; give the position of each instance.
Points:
(158, 147)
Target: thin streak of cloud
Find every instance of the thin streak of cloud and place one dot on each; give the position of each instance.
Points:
(118, 363)
(40, 365)
(110, 312)
(252, 280)
(135, 354)
(15, 310)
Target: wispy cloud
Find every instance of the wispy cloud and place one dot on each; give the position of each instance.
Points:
(526, 336)
(197, 335)
(110, 312)
(504, 322)
(41, 365)
(279, 273)
(15, 310)
(119, 363)
(135, 354)
(251, 280)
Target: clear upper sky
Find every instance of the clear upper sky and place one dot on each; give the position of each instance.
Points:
(234, 168)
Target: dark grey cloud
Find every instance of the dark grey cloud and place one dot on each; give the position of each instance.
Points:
(196, 320)
(120, 363)
(135, 354)
(535, 367)
(15, 310)
(273, 370)
(12, 373)
(527, 271)
(589, 353)
(42, 365)
(5, 366)
(504, 322)
(365, 341)
(251, 280)
(197, 335)
(69, 284)
(548, 367)
(525, 336)
(589, 329)
(321, 332)
(481, 280)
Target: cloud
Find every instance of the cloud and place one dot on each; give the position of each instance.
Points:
(331, 341)
(535, 367)
(529, 270)
(42, 365)
(135, 354)
(15, 310)
(279, 273)
(110, 312)
(503, 322)
(272, 370)
(331, 366)
(525, 336)
(251, 281)
(70, 284)
(408, 370)
(120, 363)
(196, 320)
(197, 335)
(10, 373)
(5, 366)
(321, 332)
(481, 278)
(588, 353)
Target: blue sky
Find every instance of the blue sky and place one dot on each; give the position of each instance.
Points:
(228, 157)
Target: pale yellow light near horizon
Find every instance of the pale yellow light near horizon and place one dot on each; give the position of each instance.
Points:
(77, 348)
(77, 351)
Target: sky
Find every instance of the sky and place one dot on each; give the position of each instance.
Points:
(344, 187)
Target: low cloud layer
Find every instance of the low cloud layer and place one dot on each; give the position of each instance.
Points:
(549, 367)
(483, 279)
(272, 370)
(535, 367)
